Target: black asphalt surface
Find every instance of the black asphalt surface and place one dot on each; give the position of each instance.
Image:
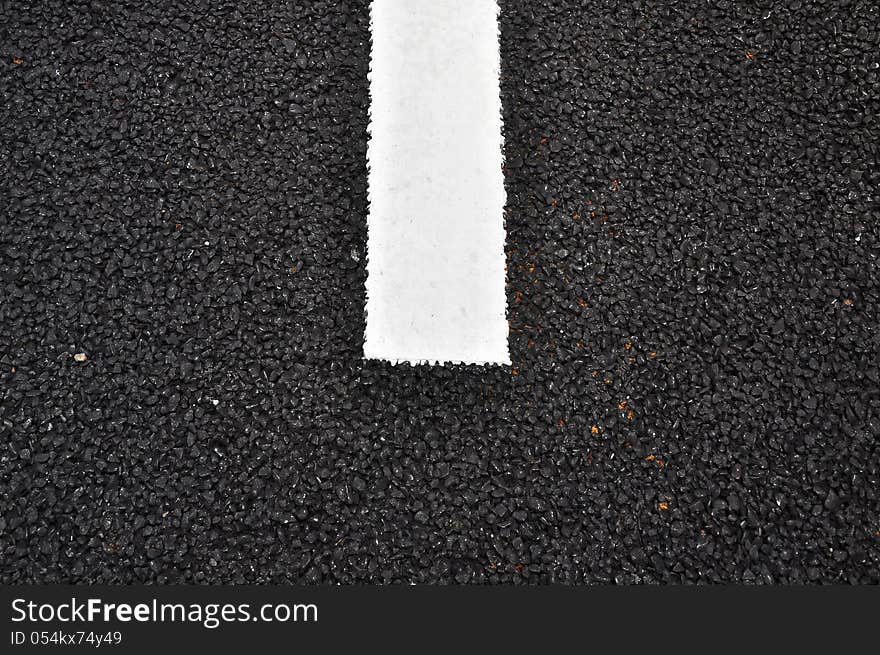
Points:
(693, 247)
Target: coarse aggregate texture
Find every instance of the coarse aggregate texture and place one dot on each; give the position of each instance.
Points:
(693, 297)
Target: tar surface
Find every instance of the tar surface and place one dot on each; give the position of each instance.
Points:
(693, 298)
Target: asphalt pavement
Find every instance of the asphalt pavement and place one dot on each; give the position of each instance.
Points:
(692, 243)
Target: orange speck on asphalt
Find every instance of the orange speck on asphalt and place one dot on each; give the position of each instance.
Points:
(17, 61)
(663, 506)
(622, 404)
(653, 354)
(628, 345)
(595, 429)
(848, 302)
(582, 302)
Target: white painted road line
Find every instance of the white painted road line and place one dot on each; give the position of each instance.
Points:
(436, 268)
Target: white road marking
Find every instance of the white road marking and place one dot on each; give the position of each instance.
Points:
(436, 263)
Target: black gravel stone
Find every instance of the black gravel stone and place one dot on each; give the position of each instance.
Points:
(693, 245)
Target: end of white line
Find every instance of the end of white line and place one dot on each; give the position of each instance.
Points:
(436, 262)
